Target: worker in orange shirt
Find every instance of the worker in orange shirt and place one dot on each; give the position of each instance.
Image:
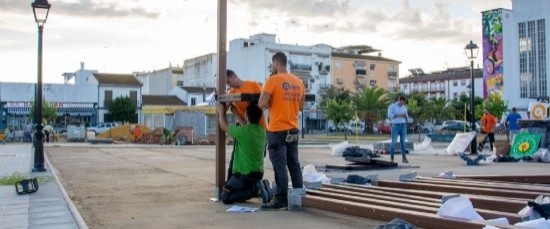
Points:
(283, 95)
(488, 123)
(238, 86)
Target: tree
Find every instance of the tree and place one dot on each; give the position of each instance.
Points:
(494, 104)
(49, 111)
(340, 94)
(371, 103)
(339, 112)
(123, 109)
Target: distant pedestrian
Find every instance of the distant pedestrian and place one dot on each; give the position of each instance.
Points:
(488, 123)
(512, 124)
(48, 131)
(397, 113)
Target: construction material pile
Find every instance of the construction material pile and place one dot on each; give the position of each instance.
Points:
(124, 133)
(420, 200)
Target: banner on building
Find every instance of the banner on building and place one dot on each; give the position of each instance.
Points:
(493, 72)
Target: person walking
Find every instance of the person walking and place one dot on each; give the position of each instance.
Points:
(397, 113)
(488, 123)
(512, 124)
(283, 96)
(238, 86)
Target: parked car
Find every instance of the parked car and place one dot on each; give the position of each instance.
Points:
(354, 128)
(102, 127)
(454, 126)
(59, 128)
(338, 128)
(384, 128)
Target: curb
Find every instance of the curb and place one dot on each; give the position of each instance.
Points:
(72, 208)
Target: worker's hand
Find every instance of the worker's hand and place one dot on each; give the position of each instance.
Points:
(233, 108)
(220, 108)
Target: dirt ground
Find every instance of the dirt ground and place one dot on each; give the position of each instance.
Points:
(156, 187)
(165, 188)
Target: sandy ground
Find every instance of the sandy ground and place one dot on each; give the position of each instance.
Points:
(155, 187)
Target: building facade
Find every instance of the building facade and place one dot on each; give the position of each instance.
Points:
(112, 86)
(200, 71)
(75, 100)
(449, 84)
(160, 82)
(354, 70)
(515, 44)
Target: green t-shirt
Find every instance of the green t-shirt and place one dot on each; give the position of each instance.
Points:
(249, 151)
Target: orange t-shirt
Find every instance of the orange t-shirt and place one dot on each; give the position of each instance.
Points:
(248, 87)
(488, 122)
(287, 92)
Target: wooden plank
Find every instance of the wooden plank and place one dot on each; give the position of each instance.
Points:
(419, 219)
(221, 84)
(403, 199)
(380, 192)
(404, 204)
(482, 202)
(535, 179)
(483, 185)
(462, 190)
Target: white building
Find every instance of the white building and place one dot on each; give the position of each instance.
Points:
(193, 96)
(449, 84)
(200, 71)
(75, 100)
(160, 82)
(521, 50)
(112, 86)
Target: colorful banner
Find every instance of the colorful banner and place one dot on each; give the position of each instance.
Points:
(525, 144)
(493, 72)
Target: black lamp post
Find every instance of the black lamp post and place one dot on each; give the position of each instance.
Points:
(471, 50)
(40, 8)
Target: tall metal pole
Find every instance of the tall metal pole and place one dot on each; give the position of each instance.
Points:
(473, 146)
(221, 73)
(38, 136)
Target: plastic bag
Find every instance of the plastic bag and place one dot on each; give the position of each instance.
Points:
(338, 149)
(459, 207)
(310, 175)
(542, 155)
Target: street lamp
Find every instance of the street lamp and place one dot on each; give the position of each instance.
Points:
(471, 50)
(40, 9)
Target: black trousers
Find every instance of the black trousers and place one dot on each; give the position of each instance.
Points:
(240, 188)
(490, 137)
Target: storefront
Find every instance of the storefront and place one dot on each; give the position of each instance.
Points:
(17, 114)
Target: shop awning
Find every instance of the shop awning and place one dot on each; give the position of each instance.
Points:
(18, 110)
(75, 111)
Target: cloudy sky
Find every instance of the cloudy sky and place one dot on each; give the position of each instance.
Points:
(123, 36)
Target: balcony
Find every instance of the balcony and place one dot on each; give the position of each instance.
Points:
(392, 74)
(300, 67)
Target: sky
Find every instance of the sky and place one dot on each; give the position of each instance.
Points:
(124, 36)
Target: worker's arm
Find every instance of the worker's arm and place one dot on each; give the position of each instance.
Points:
(240, 119)
(222, 119)
(265, 98)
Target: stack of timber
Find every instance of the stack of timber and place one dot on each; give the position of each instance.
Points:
(417, 202)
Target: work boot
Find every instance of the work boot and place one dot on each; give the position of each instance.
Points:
(275, 204)
(405, 161)
(265, 191)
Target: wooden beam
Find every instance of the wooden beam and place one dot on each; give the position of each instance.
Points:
(221, 73)
(461, 190)
(483, 184)
(370, 191)
(482, 202)
(419, 219)
(403, 203)
(534, 179)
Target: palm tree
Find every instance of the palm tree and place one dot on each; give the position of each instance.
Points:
(371, 103)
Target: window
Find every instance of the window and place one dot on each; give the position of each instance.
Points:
(193, 101)
(463, 83)
(338, 65)
(108, 98)
(372, 67)
(455, 95)
(360, 72)
(133, 97)
(532, 59)
(373, 83)
(455, 83)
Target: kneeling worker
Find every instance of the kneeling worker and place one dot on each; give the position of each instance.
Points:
(248, 164)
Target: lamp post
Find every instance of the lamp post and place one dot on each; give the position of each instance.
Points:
(40, 9)
(471, 50)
